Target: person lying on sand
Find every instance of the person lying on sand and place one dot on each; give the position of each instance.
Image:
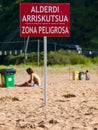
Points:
(34, 79)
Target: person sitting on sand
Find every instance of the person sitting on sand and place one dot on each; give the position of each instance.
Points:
(34, 79)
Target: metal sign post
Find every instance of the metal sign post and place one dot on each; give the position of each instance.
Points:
(45, 70)
(38, 50)
(25, 51)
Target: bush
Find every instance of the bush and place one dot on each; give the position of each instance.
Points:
(60, 57)
(79, 59)
(55, 58)
(14, 59)
(95, 60)
(33, 58)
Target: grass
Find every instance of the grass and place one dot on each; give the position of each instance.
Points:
(55, 68)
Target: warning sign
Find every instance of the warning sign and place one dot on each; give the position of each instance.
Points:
(51, 20)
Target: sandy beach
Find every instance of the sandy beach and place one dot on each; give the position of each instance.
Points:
(71, 105)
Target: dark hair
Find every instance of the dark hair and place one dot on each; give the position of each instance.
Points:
(29, 71)
(87, 71)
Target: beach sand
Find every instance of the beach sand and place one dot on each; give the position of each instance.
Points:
(69, 104)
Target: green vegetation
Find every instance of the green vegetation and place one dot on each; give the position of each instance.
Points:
(60, 57)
